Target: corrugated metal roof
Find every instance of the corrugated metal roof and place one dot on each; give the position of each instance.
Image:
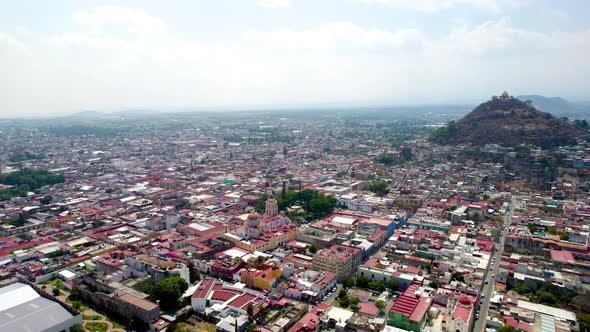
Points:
(547, 323)
(24, 310)
(15, 294)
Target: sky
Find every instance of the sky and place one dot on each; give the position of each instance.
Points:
(61, 57)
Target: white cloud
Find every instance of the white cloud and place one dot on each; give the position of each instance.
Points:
(437, 5)
(501, 35)
(9, 42)
(83, 40)
(335, 35)
(12, 46)
(274, 3)
(103, 17)
(135, 65)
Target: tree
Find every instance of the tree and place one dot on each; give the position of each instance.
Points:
(342, 294)
(380, 188)
(19, 221)
(313, 248)
(193, 274)
(429, 317)
(46, 200)
(564, 236)
(76, 305)
(385, 159)
(23, 190)
(349, 282)
(476, 216)
(263, 313)
(26, 180)
(532, 228)
(362, 281)
(250, 311)
(434, 284)
(261, 204)
(551, 230)
(393, 284)
(26, 155)
(58, 283)
(77, 328)
(521, 288)
(380, 304)
(315, 204)
(145, 286)
(56, 291)
(376, 285)
(322, 206)
(506, 328)
(168, 291)
(458, 276)
(344, 302)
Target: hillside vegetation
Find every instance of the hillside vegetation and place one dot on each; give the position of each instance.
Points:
(509, 121)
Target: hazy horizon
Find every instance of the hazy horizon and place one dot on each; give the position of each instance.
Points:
(65, 57)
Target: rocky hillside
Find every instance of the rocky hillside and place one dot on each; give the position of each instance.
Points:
(508, 121)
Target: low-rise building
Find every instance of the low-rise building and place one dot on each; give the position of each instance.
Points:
(409, 310)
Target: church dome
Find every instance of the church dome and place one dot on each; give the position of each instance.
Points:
(253, 216)
(465, 300)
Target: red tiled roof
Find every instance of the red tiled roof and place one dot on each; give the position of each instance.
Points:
(11, 245)
(562, 256)
(222, 295)
(376, 235)
(368, 309)
(412, 269)
(310, 321)
(410, 305)
(203, 288)
(271, 219)
(242, 300)
(462, 313)
(372, 262)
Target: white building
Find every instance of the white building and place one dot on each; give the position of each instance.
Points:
(23, 309)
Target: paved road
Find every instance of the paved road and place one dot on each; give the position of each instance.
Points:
(334, 295)
(489, 281)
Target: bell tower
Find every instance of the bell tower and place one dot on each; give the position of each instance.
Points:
(271, 208)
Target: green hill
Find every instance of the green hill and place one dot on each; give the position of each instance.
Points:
(508, 121)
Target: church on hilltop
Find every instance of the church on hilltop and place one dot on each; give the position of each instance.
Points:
(503, 96)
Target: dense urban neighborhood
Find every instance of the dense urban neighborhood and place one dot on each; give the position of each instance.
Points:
(276, 222)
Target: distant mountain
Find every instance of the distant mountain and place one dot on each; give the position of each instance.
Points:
(87, 114)
(555, 105)
(92, 114)
(558, 106)
(509, 121)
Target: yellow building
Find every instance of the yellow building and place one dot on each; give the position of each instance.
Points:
(260, 279)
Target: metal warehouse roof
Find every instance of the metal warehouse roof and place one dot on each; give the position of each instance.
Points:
(23, 309)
